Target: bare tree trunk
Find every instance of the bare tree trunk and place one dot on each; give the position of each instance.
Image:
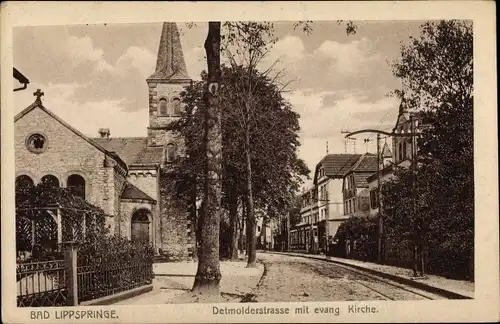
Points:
(194, 219)
(208, 275)
(251, 223)
(242, 227)
(233, 219)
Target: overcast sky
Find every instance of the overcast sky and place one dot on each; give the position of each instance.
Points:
(94, 76)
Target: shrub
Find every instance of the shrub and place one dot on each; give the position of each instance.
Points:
(361, 233)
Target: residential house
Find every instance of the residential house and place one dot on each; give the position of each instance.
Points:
(355, 190)
(322, 206)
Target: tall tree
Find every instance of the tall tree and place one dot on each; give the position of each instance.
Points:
(436, 71)
(208, 274)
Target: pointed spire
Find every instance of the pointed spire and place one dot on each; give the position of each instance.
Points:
(386, 151)
(170, 64)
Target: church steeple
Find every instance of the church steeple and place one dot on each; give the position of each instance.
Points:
(165, 86)
(170, 64)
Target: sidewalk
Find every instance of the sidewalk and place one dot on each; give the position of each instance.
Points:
(174, 280)
(454, 288)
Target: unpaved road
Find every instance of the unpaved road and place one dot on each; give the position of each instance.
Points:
(290, 278)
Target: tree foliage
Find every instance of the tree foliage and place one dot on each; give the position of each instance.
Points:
(274, 140)
(436, 71)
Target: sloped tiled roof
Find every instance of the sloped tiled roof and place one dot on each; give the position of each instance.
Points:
(366, 163)
(133, 150)
(363, 168)
(132, 192)
(336, 165)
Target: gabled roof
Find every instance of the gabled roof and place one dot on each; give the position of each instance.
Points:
(336, 165)
(133, 150)
(363, 168)
(366, 163)
(38, 104)
(132, 192)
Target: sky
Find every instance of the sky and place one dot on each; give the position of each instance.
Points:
(94, 76)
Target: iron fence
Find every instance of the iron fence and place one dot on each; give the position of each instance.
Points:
(104, 280)
(41, 284)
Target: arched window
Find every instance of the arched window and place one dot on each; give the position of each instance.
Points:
(24, 182)
(163, 107)
(140, 226)
(76, 184)
(50, 180)
(171, 154)
(176, 104)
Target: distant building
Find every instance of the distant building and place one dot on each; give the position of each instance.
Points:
(356, 195)
(322, 206)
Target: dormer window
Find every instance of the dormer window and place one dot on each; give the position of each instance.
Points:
(162, 107)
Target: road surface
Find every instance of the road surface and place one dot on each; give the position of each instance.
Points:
(296, 279)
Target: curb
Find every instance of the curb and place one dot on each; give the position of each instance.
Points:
(416, 284)
(250, 297)
(108, 300)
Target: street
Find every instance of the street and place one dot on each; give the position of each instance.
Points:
(290, 278)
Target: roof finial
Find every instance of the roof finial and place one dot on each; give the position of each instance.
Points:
(326, 147)
(38, 94)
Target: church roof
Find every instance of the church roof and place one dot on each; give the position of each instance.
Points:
(170, 64)
(133, 150)
(38, 104)
(132, 192)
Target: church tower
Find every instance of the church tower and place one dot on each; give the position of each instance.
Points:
(165, 85)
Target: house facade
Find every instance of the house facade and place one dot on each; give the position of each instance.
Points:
(322, 206)
(129, 178)
(355, 189)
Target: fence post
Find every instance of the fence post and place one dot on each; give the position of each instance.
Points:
(70, 260)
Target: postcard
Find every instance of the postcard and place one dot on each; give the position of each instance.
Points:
(249, 162)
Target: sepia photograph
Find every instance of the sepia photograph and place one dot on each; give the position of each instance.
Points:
(259, 167)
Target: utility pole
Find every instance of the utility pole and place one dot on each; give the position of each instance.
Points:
(288, 232)
(379, 203)
(412, 135)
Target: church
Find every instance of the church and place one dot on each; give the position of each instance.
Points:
(128, 177)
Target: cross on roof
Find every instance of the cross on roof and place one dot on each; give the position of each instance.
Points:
(38, 94)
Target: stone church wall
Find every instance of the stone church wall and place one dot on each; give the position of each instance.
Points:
(66, 152)
(176, 239)
(144, 180)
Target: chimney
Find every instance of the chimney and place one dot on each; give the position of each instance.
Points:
(104, 132)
